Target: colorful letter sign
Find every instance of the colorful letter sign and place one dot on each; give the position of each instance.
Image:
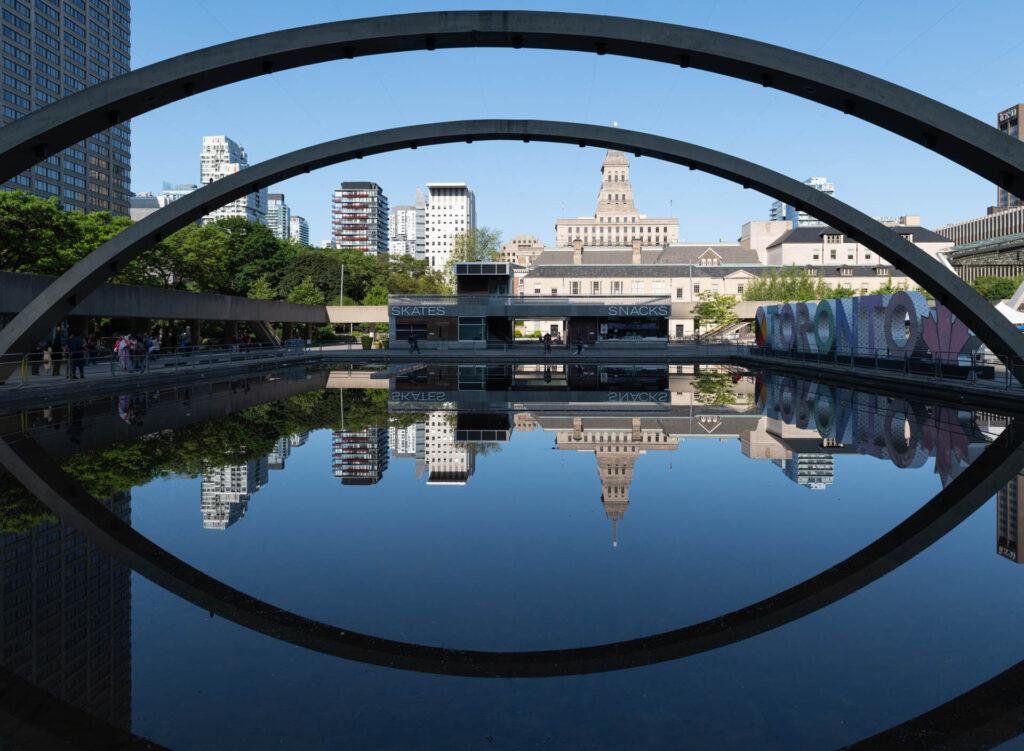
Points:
(899, 325)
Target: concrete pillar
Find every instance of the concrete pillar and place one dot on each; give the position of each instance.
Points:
(286, 330)
(230, 330)
(309, 333)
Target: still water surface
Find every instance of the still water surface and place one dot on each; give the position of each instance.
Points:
(517, 510)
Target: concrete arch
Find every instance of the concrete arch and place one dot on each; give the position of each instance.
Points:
(962, 497)
(64, 293)
(966, 140)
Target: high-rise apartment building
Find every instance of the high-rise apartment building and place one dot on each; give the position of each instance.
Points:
(360, 457)
(402, 231)
(359, 217)
(66, 617)
(783, 212)
(812, 471)
(52, 50)
(277, 456)
(1008, 122)
(420, 201)
(221, 156)
(279, 216)
(450, 210)
(616, 221)
(1010, 520)
(226, 491)
(446, 462)
(298, 230)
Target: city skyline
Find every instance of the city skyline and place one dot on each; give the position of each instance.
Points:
(504, 176)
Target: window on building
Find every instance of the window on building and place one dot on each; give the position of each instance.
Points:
(472, 329)
(864, 287)
(849, 255)
(845, 272)
(832, 254)
(882, 271)
(404, 330)
(636, 288)
(815, 255)
(696, 289)
(714, 289)
(554, 291)
(659, 288)
(679, 293)
(574, 288)
(739, 289)
(616, 288)
(536, 289)
(595, 288)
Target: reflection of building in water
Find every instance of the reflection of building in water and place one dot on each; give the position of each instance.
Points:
(1008, 519)
(409, 443)
(299, 439)
(360, 456)
(226, 491)
(812, 471)
(66, 618)
(616, 448)
(447, 463)
(281, 451)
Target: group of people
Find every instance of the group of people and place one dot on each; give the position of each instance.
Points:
(78, 352)
(133, 351)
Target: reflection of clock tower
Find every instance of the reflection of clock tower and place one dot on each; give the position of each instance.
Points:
(616, 452)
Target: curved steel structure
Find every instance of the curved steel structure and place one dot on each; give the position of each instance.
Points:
(964, 139)
(954, 503)
(63, 294)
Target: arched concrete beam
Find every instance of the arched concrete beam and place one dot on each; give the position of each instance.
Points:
(966, 140)
(963, 496)
(45, 311)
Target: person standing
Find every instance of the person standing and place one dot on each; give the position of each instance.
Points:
(92, 345)
(414, 345)
(186, 340)
(76, 354)
(547, 343)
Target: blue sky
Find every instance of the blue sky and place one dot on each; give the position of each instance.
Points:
(950, 50)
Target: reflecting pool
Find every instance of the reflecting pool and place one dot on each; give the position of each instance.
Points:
(501, 556)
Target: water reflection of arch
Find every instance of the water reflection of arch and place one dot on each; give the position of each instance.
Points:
(60, 297)
(954, 503)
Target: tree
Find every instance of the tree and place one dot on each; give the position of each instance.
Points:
(376, 296)
(262, 290)
(321, 267)
(997, 287)
(305, 292)
(716, 310)
(790, 285)
(480, 244)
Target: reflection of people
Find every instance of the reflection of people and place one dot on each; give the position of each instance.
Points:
(547, 374)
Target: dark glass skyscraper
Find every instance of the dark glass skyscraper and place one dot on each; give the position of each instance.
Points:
(54, 49)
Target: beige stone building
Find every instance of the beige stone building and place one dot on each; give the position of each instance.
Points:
(825, 246)
(522, 250)
(616, 221)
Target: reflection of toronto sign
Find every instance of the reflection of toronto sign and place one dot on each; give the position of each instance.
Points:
(898, 325)
(905, 433)
(418, 310)
(419, 396)
(637, 310)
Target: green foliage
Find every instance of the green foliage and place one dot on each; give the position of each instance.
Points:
(716, 310)
(376, 296)
(889, 288)
(191, 449)
(480, 244)
(306, 292)
(368, 408)
(19, 509)
(261, 289)
(793, 285)
(997, 287)
(38, 236)
(714, 387)
(838, 293)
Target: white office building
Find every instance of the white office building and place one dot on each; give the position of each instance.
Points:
(783, 212)
(279, 216)
(221, 157)
(402, 231)
(298, 230)
(450, 210)
(226, 491)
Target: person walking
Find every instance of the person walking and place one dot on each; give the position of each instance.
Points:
(414, 345)
(579, 346)
(47, 359)
(123, 350)
(547, 343)
(186, 340)
(76, 355)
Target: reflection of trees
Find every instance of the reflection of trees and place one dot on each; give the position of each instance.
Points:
(19, 509)
(714, 387)
(368, 408)
(481, 448)
(233, 439)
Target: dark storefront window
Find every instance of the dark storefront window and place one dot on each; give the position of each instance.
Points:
(633, 328)
(472, 329)
(404, 330)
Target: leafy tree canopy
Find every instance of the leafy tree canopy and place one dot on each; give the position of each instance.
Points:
(997, 287)
(479, 244)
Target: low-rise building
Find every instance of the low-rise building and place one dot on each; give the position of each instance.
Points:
(522, 250)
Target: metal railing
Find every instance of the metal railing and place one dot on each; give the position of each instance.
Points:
(482, 299)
